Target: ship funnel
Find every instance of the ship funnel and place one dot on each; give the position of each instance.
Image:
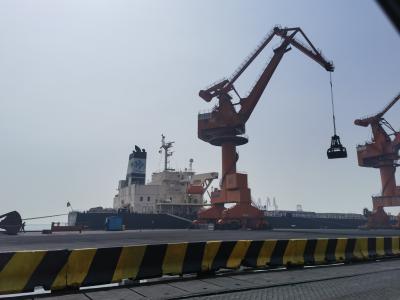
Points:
(136, 173)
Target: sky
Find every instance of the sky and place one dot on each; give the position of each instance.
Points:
(82, 82)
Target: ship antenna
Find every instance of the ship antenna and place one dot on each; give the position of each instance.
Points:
(167, 153)
(191, 164)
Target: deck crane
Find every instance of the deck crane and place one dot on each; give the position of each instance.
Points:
(224, 126)
(381, 153)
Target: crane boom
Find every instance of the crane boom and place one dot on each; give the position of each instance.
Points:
(258, 50)
(389, 106)
(376, 118)
(248, 104)
(287, 34)
(313, 53)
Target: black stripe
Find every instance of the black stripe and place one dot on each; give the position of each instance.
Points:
(348, 252)
(152, 261)
(103, 266)
(222, 256)
(309, 251)
(48, 269)
(193, 257)
(330, 251)
(5, 258)
(372, 247)
(387, 245)
(251, 257)
(277, 254)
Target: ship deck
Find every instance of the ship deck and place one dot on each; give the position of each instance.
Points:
(97, 239)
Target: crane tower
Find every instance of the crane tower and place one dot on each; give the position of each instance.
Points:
(224, 127)
(381, 153)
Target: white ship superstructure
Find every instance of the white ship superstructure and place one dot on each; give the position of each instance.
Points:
(169, 191)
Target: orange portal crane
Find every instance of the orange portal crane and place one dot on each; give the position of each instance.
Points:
(381, 153)
(224, 126)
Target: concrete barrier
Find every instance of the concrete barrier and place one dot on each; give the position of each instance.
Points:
(70, 269)
(24, 270)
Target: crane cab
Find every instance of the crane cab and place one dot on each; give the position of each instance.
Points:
(336, 150)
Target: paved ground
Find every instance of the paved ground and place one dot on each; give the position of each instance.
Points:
(73, 240)
(373, 280)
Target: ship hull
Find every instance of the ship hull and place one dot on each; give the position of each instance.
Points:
(96, 221)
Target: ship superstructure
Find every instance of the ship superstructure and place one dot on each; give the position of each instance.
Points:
(169, 191)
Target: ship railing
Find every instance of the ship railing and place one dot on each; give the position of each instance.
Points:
(242, 172)
(310, 215)
(377, 195)
(363, 146)
(206, 113)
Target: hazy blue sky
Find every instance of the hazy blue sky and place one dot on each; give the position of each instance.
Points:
(82, 82)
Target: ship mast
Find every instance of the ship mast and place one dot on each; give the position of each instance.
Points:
(167, 153)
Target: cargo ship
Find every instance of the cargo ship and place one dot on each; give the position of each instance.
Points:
(171, 200)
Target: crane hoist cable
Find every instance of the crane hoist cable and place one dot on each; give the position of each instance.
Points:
(333, 104)
(336, 150)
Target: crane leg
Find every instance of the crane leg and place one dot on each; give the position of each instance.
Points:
(378, 219)
(218, 197)
(229, 158)
(210, 215)
(390, 197)
(234, 189)
(388, 180)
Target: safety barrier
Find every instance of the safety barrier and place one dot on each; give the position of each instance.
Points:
(70, 269)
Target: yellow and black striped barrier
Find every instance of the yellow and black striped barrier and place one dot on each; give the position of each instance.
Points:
(65, 269)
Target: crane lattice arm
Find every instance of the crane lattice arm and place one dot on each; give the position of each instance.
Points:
(248, 103)
(376, 118)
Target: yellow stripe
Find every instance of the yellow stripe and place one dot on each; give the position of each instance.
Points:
(320, 250)
(19, 269)
(361, 248)
(61, 280)
(340, 249)
(79, 263)
(210, 252)
(294, 252)
(380, 247)
(129, 263)
(173, 259)
(395, 245)
(265, 254)
(237, 255)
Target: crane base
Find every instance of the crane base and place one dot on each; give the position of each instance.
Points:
(378, 219)
(237, 140)
(210, 215)
(243, 215)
